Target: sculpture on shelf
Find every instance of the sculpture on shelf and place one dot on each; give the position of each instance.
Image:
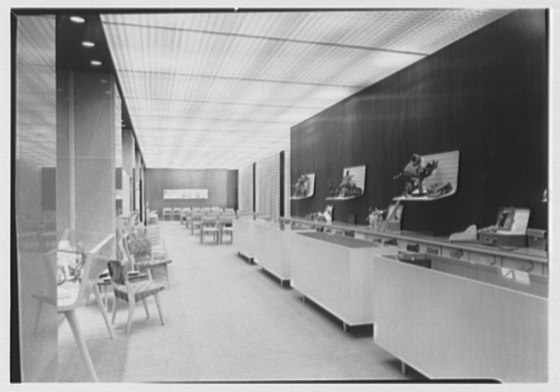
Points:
(346, 188)
(414, 173)
(301, 187)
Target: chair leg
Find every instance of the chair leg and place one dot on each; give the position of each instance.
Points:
(102, 309)
(73, 321)
(114, 310)
(156, 297)
(146, 308)
(131, 307)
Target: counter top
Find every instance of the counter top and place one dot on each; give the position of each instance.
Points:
(525, 254)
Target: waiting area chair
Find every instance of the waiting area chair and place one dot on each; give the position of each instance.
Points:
(72, 297)
(177, 213)
(209, 226)
(226, 228)
(167, 212)
(132, 292)
(196, 220)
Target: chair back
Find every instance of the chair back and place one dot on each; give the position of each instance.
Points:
(226, 221)
(117, 272)
(209, 221)
(93, 265)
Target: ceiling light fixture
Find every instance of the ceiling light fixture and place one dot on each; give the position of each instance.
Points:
(95, 63)
(77, 19)
(88, 44)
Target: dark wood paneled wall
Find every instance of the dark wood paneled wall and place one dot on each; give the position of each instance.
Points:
(221, 185)
(485, 95)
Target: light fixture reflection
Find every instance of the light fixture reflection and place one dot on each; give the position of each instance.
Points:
(77, 19)
(95, 63)
(88, 44)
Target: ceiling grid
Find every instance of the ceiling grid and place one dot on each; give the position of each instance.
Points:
(222, 90)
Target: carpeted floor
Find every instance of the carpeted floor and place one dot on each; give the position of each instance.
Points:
(225, 320)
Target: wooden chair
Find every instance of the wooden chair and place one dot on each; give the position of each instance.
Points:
(226, 228)
(176, 213)
(132, 293)
(229, 212)
(167, 212)
(195, 221)
(209, 225)
(104, 280)
(73, 296)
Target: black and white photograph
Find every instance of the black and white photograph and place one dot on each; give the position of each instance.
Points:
(189, 205)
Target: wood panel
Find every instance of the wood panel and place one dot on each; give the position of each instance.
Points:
(221, 185)
(485, 95)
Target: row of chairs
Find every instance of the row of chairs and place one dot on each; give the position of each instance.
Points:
(178, 212)
(217, 227)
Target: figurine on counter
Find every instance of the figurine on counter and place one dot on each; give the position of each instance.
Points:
(376, 218)
(325, 216)
(414, 173)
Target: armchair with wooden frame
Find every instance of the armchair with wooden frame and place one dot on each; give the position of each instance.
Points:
(209, 226)
(132, 292)
(73, 296)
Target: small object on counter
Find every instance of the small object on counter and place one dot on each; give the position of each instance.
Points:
(469, 235)
(537, 239)
(510, 229)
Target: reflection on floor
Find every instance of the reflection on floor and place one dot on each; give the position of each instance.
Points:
(225, 320)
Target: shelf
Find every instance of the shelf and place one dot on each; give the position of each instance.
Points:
(421, 198)
(344, 198)
(300, 197)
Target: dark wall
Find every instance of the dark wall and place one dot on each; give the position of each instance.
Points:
(485, 95)
(221, 185)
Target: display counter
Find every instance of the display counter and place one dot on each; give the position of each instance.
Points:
(271, 246)
(530, 260)
(458, 319)
(336, 272)
(244, 229)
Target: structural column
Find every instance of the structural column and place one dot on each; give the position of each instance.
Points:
(87, 109)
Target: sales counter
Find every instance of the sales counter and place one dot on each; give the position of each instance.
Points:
(271, 248)
(450, 310)
(336, 272)
(466, 321)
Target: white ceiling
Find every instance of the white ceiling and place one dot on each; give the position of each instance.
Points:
(221, 90)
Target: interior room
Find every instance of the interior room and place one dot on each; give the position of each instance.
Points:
(347, 195)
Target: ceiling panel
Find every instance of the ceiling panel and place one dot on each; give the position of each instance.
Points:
(221, 90)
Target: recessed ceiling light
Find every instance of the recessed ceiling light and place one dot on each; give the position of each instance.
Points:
(88, 44)
(77, 19)
(95, 63)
